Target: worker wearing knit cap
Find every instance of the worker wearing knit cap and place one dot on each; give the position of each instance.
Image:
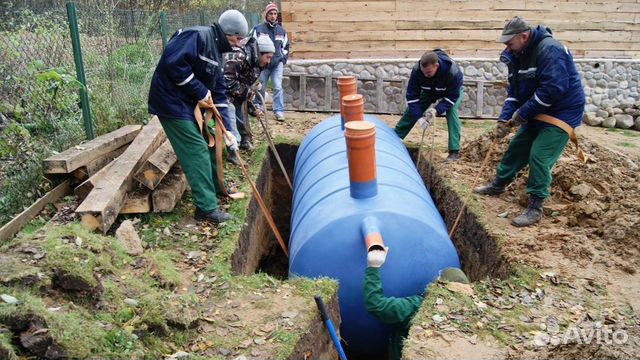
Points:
(189, 73)
(271, 28)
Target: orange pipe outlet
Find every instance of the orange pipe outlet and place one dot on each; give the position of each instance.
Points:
(347, 85)
(361, 154)
(353, 108)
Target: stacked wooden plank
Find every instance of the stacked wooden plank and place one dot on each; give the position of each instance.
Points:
(335, 29)
(130, 170)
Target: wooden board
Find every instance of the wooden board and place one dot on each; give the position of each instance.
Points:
(157, 166)
(83, 154)
(167, 195)
(12, 227)
(137, 202)
(101, 207)
(84, 172)
(335, 29)
(85, 187)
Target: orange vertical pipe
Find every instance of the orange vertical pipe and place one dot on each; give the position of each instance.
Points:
(361, 154)
(347, 85)
(353, 108)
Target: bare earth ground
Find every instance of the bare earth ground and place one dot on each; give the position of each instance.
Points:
(589, 235)
(585, 254)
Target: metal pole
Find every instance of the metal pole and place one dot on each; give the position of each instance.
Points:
(202, 19)
(163, 28)
(77, 58)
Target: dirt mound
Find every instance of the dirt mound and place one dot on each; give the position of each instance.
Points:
(599, 199)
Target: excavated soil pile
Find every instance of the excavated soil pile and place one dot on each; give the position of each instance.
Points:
(600, 198)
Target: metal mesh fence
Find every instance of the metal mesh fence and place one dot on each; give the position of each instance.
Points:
(39, 102)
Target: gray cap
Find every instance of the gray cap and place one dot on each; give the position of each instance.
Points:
(452, 274)
(232, 22)
(513, 27)
(265, 45)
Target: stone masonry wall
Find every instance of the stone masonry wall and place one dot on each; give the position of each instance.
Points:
(611, 86)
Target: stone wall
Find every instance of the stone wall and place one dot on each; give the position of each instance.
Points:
(611, 86)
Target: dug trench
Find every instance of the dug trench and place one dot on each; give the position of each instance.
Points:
(258, 249)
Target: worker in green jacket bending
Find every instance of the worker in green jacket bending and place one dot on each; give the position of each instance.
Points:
(396, 312)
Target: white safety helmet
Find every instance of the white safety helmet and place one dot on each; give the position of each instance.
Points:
(265, 45)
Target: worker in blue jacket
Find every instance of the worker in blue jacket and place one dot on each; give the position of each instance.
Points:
(275, 70)
(435, 77)
(395, 311)
(543, 79)
(190, 73)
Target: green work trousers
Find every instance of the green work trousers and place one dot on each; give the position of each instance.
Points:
(197, 160)
(538, 147)
(407, 121)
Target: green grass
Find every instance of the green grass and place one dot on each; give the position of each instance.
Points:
(626, 144)
(167, 272)
(65, 327)
(6, 348)
(624, 132)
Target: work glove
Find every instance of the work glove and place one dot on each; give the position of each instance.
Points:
(517, 120)
(206, 102)
(502, 129)
(231, 141)
(257, 86)
(258, 112)
(427, 119)
(376, 257)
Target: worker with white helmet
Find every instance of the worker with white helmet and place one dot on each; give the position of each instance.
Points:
(242, 70)
(190, 73)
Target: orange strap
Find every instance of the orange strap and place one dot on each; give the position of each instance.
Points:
(567, 128)
(265, 211)
(203, 125)
(220, 141)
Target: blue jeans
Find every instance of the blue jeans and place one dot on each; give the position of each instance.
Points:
(276, 78)
(237, 119)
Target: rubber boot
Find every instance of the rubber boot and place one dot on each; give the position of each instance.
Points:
(531, 215)
(215, 216)
(245, 143)
(453, 156)
(232, 157)
(495, 187)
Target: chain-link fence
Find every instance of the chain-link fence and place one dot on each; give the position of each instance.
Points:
(39, 103)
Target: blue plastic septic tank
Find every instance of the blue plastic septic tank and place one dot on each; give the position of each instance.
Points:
(326, 238)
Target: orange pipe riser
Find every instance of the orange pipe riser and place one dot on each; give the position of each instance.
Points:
(353, 108)
(347, 85)
(361, 154)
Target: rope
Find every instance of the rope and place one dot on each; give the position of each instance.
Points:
(272, 145)
(256, 193)
(475, 180)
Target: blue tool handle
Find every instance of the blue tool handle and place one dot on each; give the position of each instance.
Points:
(329, 325)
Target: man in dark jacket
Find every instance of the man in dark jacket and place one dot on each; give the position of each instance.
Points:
(435, 77)
(543, 79)
(396, 312)
(271, 28)
(190, 73)
(241, 71)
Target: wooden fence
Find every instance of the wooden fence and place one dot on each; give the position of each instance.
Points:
(321, 29)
